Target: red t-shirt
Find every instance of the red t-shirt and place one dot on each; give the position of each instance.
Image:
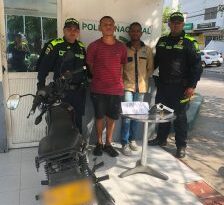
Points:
(107, 61)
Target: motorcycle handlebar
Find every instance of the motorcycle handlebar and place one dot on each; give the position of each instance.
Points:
(36, 102)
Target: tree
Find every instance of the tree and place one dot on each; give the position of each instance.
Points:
(167, 11)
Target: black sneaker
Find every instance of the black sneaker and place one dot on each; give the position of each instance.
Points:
(157, 142)
(110, 151)
(181, 152)
(98, 150)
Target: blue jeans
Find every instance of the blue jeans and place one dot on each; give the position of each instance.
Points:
(129, 127)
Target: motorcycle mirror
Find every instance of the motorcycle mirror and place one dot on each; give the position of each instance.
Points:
(13, 101)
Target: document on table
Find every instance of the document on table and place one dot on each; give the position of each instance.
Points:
(135, 108)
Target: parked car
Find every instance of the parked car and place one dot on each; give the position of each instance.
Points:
(211, 57)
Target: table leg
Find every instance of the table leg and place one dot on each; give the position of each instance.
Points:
(141, 165)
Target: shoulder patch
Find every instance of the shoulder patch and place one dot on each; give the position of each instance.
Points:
(189, 37)
(196, 47)
(81, 44)
(57, 41)
(192, 40)
(162, 44)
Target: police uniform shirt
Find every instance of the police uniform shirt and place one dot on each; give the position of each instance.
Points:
(53, 60)
(178, 59)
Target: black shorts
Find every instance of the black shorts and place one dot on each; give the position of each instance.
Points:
(109, 105)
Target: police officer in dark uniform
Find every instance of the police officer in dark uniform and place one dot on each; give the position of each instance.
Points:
(179, 62)
(54, 59)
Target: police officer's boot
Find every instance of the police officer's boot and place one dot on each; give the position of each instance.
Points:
(181, 152)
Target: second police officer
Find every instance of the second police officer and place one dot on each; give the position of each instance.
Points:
(179, 62)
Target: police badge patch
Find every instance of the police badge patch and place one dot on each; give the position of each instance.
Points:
(180, 42)
(49, 48)
(47, 51)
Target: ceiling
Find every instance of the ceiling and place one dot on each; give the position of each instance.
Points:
(31, 7)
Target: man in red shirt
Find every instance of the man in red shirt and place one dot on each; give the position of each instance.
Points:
(105, 57)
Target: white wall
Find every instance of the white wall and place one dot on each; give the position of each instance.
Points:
(147, 12)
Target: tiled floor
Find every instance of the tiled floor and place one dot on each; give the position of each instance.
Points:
(19, 181)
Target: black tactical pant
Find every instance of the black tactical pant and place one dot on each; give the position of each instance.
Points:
(170, 95)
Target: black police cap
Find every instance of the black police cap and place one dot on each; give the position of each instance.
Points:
(177, 16)
(71, 22)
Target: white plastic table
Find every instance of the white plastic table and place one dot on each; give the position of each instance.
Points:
(141, 165)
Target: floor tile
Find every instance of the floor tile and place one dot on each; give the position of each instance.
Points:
(10, 169)
(214, 201)
(206, 194)
(138, 189)
(9, 183)
(29, 154)
(201, 189)
(27, 196)
(30, 178)
(9, 198)
(13, 156)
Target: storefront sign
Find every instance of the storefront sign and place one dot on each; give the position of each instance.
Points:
(188, 26)
(206, 25)
(89, 31)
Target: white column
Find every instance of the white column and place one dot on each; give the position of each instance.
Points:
(24, 25)
(2, 39)
(3, 135)
(42, 31)
(59, 18)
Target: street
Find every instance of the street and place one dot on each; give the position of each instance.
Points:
(206, 146)
(212, 82)
(205, 152)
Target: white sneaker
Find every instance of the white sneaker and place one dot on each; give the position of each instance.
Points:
(133, 146)
(126, 150)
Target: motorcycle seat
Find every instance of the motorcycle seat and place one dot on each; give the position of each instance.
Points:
(60, 143)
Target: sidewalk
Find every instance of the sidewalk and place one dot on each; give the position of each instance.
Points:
(19, 181)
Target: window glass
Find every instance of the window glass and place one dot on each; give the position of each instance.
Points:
(33, 37)
(29, 24)
(211, 13)
(49, 28)
(15, 54)
(212, 53)
(14, 26)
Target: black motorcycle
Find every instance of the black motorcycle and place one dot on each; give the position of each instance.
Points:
(63, 151)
